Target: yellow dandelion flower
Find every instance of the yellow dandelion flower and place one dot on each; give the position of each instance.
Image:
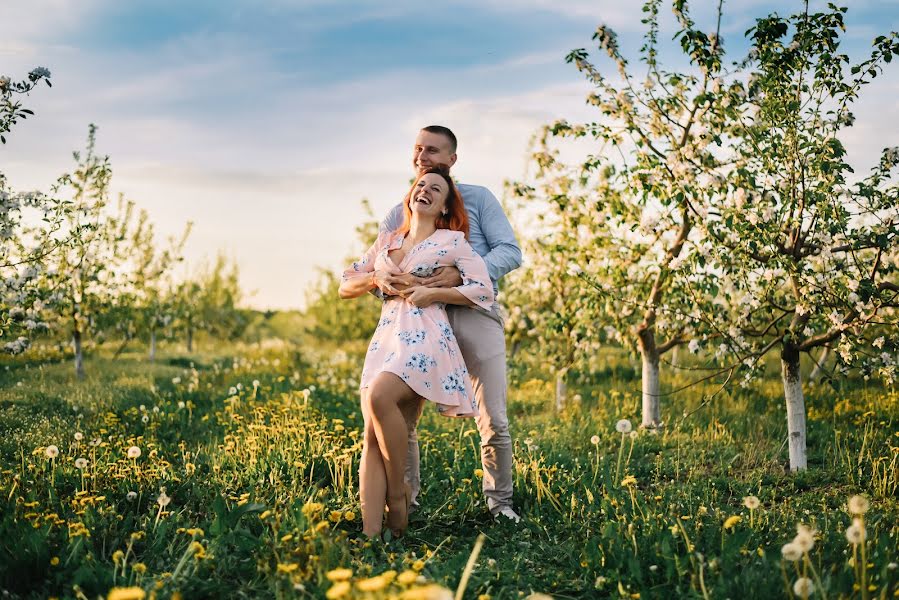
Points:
(335, 515)
(140, 568)
(117, 557)
(418, 566)
(629, 480)
(54, 561)
(349, 515)
(310, 509)
(287, 568)
(338, 590)
(265, 514)
(428, 592)
(286, 538)
(478, 473)
(389, 575)
(372, 584)
(128, 593)
(407, 577)
(339, 574)
(731, 521)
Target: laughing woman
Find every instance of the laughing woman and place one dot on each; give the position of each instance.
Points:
(413, 354)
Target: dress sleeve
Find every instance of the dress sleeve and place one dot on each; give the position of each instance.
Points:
(476, 284)
(366, 264)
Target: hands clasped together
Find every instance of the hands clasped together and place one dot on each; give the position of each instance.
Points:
(417, 290)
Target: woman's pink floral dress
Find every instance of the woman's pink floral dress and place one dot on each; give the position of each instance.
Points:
(417, 344)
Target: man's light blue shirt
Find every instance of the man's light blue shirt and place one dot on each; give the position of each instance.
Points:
(490, 233)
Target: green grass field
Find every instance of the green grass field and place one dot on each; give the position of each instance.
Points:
(260, 487)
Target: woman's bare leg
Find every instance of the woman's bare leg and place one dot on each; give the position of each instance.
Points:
(372, 479)
(386, 394)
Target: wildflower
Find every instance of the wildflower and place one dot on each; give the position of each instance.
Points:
(478, 472)
(629, 480)
(96, 442)
(893, 566)
(338, 590)
(349, 515)
(751, 502)
(232, 391)
(574, 269)
(80, 463)
(311, 509)
(51, 451)
(805, 538)
(732, 521)
(624, 426)
(133, 452)
(163, 500)
(37, 73)
(856, 533)
(803, 587)
(131, 496)
(139, 568)
(407, 577)
(199, 551)
(427, 592)
(176, 380)
(791, 552)
(54, 561)
(79, 436)
(117, 557)
(335, 515)
(287, 568)
(145, 419)
(418, 566)
(372, 584)
(129, 593)
(255, 383)
(858, 505)
(339, 574)
(594, 440)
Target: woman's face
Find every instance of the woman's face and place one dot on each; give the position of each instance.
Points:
(429, 195)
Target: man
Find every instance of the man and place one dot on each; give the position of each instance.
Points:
(479, 332)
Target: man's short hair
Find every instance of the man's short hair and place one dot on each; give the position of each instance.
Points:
(444, 131)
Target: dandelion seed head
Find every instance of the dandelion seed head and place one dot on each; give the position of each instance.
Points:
(858, 505)
(594, 440)
(624, 426)
(79, 436)
(131, 496)
(856, 533)
(133, 452)
(791, 552)
(751, 502)
(51, 451)
(803, 587)
(805, 537)
(80, 463)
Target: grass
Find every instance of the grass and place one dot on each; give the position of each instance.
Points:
(262, 487)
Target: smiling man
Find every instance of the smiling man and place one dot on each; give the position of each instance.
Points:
(479, 331)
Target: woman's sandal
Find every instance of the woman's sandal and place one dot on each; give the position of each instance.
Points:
(397, 529)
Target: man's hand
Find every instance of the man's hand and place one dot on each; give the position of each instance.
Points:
(444, 277)
(393, 285)
(420, 296)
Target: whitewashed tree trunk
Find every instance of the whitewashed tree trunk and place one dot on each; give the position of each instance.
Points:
(560, 391)
(792, 380)
(652, 412)
(819, 365)
(153, 345)
(674, 352)
(649, 353)
(79, 352)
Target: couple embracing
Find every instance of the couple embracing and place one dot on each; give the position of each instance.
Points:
(440, 338)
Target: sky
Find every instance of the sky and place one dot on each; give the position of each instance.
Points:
(266, 122)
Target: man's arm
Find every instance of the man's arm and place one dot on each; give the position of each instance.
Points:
(505, 254)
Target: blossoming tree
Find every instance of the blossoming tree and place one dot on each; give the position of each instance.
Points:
(808, 256)
(625, 217)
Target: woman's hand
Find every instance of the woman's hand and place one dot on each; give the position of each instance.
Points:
(420, 296)
(394, 285)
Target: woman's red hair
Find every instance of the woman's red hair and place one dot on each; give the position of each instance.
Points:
(456, 217)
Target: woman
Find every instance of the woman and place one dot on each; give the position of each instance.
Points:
(413, 354)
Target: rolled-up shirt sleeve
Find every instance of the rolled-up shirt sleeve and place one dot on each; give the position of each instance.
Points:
(505, 253)
(365, 266)
(476, 284)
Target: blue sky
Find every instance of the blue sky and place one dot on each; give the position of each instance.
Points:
(267, 122)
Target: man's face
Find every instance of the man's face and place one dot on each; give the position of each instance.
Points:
(431, 150)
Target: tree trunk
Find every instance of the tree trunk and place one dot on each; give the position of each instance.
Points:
(190, 339)
(674, 352)
(652, 413)
(560, 391)
(79, 353)
(153, 345)
(122, 347)
(792, 380)
(819, 365)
